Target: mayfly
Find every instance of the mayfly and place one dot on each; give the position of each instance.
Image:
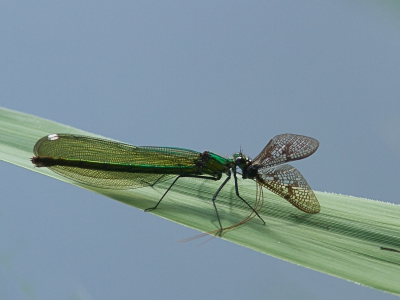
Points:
(113, 165)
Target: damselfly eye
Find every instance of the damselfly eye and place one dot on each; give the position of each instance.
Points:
(240, 161)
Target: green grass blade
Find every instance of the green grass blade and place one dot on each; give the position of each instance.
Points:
(343, 240)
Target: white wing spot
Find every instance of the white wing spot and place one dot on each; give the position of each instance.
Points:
(52, 137)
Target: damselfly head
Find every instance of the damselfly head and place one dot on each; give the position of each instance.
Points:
(242, 161)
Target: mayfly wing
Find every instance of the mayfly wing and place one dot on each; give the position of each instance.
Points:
(287, 182)
(89, 149)
(284, 148)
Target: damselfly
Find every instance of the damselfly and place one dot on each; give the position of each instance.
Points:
(108, 164)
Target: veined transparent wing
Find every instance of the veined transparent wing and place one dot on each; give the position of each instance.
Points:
(284, 148)
(287, 182)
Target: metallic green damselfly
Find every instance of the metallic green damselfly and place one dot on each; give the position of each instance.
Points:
(108, 164)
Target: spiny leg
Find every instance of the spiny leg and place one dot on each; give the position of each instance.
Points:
(152, 208)
(237, 194)
(257, 206)
(176, 179)
(219, 232)
(159, 178)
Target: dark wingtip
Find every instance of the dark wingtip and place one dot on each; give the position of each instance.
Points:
(36, 161)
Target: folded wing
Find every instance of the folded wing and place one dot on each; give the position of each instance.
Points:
(69, 147)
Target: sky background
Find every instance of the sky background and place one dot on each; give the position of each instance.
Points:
(203, 75)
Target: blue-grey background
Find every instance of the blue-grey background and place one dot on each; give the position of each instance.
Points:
(203, 75)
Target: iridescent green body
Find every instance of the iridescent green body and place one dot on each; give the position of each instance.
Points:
(109, 164)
